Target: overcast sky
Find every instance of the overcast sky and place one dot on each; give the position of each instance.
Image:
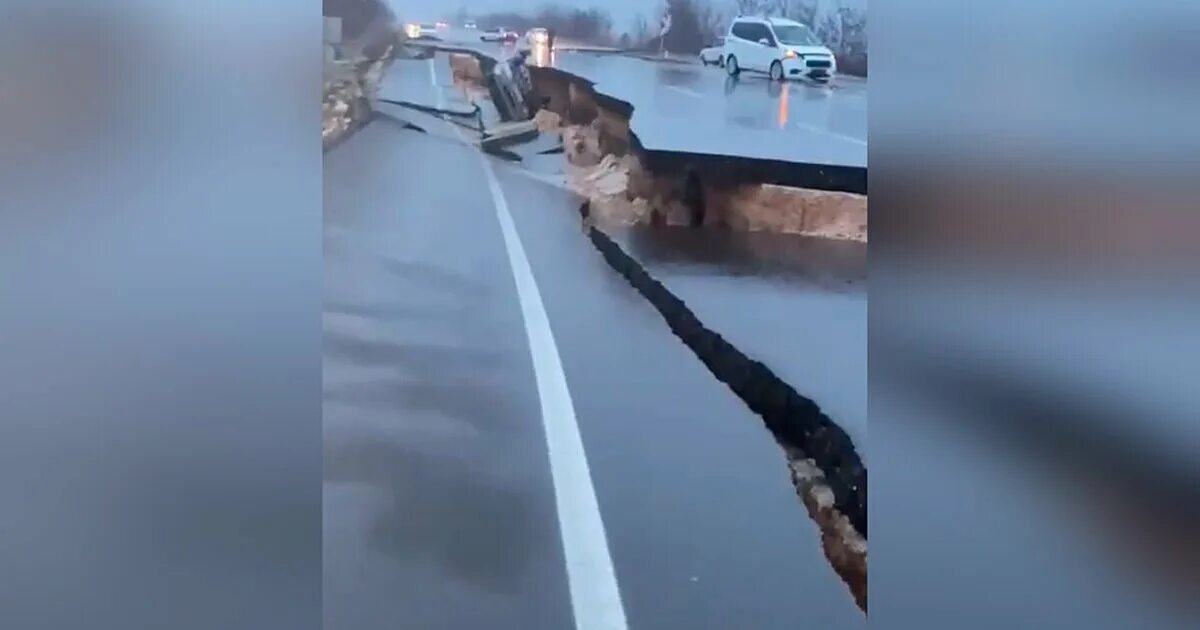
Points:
(623, 12)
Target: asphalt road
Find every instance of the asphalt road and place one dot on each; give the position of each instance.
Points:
(452, 497)
(796, 303)
(699, 109)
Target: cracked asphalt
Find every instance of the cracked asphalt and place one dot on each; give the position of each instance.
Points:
(439, 499)
(684, 106)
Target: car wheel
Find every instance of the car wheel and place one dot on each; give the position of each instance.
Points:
(776, 71)
(721, 61)
(731, 66)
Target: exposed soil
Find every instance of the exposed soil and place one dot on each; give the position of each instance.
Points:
(844, 546)
(346, 95)
(624, 192)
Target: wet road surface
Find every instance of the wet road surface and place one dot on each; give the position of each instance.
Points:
(748, 116)
(440, 497)
(796, 303)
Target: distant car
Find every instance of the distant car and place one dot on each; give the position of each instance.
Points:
(421, 31)
(780, 48)
(498, 35)
(470, 24)
(714, 55)
(537, 36)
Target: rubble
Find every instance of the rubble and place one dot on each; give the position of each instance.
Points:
(844, 546)
(509, 134)
(581, 144)
(547, 121)
(347, 92)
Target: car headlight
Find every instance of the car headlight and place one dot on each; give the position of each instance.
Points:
(789, 54)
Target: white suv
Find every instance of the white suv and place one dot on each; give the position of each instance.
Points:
(781, 48)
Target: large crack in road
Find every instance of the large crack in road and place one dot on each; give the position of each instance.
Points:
(824, 466)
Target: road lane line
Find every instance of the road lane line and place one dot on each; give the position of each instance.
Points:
(595, 596)
(591, 577)
(858, 141)
(685, 91)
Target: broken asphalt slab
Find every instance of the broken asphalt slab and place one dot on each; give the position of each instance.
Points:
(508, 134)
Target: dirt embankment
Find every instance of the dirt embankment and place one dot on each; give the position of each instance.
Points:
(348, 90)
(605, 164)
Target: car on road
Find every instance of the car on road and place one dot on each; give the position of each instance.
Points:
(421, 31)
(470, 25)
(781, 48)
(537, 36)
(714, 55)
(500, 34)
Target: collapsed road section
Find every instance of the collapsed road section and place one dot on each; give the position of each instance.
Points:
(437, 465)
(627, 183)
(648, 185)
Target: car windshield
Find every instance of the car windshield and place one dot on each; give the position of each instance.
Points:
(796, 35)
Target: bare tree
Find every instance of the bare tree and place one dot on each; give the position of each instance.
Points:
(803, 11)
(589, 25)
(640, 35)
(686, 34)
(751, 7)
(713, 22)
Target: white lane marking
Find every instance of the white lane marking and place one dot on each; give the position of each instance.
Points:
(858, 141)
(685, 91)
(595, 596)
(591, 578)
